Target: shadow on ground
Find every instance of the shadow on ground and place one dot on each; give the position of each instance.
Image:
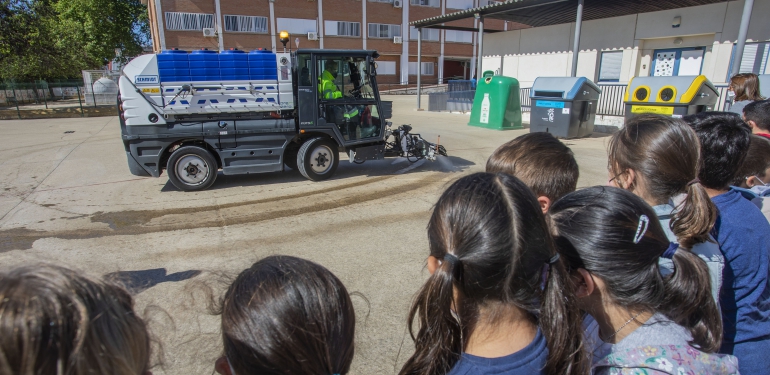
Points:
(139, 281)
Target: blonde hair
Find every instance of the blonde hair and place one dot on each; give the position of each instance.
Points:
(54, 320)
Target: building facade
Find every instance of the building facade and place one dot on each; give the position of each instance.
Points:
(381, 25)
(687, 41)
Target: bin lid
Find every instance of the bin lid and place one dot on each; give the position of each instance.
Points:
(668, 89)
(199, 51)
(170, 51)
(232, 51)
(569, 87)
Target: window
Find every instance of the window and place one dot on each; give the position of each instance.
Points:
(381, 1)
(755, 58)
(296, 25)
(342, 28)
(427, 34)
(458, 36)
(427, 68)
(459, 4)
(677, 62)
(426, 3)
(188, 21)
(246, 24)
(387, 68)
(609, 66)
(381, 30)
(483, 3)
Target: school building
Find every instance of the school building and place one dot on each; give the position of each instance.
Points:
(619, 39)
(381, 25)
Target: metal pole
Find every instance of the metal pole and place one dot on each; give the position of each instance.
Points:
(742, 33)
(80, 101)
(419, 65)
(93, 94)
(481, 49)
(576, 44)
(45, 93)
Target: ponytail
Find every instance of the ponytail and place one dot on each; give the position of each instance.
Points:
(561, 325)
(694, 217)
(439, 340)
(689, 303)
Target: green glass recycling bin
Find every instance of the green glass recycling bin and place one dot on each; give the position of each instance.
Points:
(497, 104)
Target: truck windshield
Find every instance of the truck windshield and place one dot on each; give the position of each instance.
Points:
(344, 77)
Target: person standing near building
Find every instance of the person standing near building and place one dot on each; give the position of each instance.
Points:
(745, 89)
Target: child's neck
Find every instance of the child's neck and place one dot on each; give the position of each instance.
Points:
(510, 331)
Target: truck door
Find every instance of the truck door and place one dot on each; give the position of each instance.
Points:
(347, 98)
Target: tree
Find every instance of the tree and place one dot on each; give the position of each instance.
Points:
(59, 38)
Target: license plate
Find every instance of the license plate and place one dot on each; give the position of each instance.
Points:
(152, 90)
(660, 110)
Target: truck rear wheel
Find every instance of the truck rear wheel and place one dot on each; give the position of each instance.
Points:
(318, 159)
(192, 168)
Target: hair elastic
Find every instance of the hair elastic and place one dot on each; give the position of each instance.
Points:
(452, 259)
(554, 258)
(693, 182)
(641, 229)
(669, 253)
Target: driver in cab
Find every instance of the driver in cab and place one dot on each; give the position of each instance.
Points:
(327, 88)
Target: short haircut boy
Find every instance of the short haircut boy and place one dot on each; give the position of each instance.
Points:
(759, 113)
(546, 165)
(757, 160)
(724, 139)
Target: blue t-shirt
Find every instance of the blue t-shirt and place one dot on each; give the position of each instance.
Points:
(530, 360)
(743, 234)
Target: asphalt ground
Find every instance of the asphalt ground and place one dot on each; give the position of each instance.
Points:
(68, 198)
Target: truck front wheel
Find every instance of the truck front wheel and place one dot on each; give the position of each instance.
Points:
(318, 159)
(192, 168)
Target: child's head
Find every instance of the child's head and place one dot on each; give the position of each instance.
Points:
(656, 157)
(724, 140)
(757, 116)
(287, 315)
(54, 321)
(542, 162)
(490, 252)
(612, 241)
(755, 170)
(745, 86)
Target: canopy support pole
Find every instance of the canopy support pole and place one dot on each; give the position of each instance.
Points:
(576, 44)
(481, 49)
(742, 33)
(419, 66)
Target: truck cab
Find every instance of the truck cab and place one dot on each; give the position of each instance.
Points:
(298, 110)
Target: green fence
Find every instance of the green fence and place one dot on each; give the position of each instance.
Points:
(43, 94)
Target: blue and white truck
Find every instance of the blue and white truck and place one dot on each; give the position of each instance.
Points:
(192, 114)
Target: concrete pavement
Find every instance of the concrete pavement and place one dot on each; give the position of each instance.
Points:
(68, 198)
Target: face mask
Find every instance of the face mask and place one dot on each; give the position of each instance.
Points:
(760, 190)
(730, 95)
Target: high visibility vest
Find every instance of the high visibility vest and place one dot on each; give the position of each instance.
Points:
(327, 88)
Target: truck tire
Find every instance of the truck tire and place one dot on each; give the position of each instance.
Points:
(318, 159)
(192, 168)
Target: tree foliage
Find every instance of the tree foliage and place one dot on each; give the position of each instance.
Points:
(59, 38)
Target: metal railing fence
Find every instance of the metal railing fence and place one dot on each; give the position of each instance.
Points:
(611, 101)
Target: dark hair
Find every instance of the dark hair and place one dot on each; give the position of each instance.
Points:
(595, 229)
(54, 320)
(724, 139)
(757, 160)
(759, 112)
(494, 226)
(745, 86)
(541, 161)
(290, 316)
(665, 152)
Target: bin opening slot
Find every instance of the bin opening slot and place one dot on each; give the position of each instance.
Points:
(550, 94)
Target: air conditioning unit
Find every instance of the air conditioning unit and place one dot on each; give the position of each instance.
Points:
(397, 40)
(210, 32)
(312, 36)
(397, 3)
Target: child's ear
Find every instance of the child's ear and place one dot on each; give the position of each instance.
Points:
(752, 124)
(753, 181)
(545, 203)
(222, 367)
(433, 264)
(584, 283)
